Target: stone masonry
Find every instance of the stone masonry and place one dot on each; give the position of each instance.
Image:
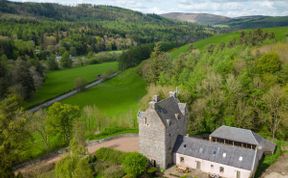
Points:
(159, 127)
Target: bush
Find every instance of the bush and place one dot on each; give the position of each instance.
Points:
(114, 171)
(110, 155)
(135, 164)
(268, 63)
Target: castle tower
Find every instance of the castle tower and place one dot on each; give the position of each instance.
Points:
(159, 127)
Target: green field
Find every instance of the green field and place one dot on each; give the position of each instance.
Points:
(114, 97)
(280, 33)
(58, 82)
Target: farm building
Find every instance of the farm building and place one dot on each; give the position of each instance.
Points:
(229, 152)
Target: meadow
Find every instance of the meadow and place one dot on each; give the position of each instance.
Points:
(58, 82)
(115, 96)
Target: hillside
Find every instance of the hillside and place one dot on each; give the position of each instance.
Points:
(42, 37)
(200, 18)
(229, 79)
(256, 22)
(129, 23)
(241, 22)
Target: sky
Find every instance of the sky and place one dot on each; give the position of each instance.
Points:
(230, 8)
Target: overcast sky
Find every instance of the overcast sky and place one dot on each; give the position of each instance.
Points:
(231, 8)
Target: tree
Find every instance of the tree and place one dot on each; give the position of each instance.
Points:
(52, 64)
(135, 164)
(23, 79)
(60, 119)
(76, 164)
(158, 63)
(276, 102)
(3, 78)
(80, 83)
(13, 134)
(36, 124)
(65, 61)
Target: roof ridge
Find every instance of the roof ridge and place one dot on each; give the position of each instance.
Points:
(254, 136)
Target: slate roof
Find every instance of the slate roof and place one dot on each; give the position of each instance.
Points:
(167, 108)
(212, 151)
(243, 136)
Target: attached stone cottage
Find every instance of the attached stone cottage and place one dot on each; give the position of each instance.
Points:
(230, 152)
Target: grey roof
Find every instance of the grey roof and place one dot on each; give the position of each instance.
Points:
(167, 108)
(243, 136)
(212, 151)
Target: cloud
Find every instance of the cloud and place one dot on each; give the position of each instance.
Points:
(230, 8)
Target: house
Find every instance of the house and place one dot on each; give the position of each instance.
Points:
(229, 152)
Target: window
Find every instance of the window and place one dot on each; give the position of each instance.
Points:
(184, 145)
(240, 158)
(182, 159)
(221, 169)
(238, 174)
(198, 165)
(224, 155)
(145, 120)
(212, 166)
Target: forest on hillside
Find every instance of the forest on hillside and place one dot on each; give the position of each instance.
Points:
(38, 37)
(241, 83)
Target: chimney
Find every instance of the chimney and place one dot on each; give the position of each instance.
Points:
(156, 98)
(152, 104)
(173, 94)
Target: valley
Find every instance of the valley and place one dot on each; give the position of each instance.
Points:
(225, 71)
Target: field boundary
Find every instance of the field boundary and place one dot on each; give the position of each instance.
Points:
(69, 93)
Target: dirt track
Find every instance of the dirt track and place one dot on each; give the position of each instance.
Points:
(279, 169)
(124, 143)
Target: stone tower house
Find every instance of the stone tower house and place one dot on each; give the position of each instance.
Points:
(159, 127)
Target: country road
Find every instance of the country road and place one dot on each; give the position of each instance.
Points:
(126, 143)
(69, 94)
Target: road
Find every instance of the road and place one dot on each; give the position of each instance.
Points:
(125, 143)
(69, 94)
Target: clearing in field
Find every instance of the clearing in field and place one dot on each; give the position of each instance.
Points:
(58, 82)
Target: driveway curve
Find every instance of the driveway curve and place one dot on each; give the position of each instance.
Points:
(125, 143)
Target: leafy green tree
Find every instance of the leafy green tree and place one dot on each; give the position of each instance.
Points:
(60, 118)
(23, 79)
(4, 78)
(76, 164)
(159, 63)
(276, 102)
(52, 64)
(135, 164)
(13, 134)
(65, 61)
(80, 83)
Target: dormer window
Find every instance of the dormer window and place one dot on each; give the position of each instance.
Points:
(177, 116)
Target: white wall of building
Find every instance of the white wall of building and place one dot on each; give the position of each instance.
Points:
(205, 166)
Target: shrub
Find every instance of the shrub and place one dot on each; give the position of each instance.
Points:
(110, 155)
(268, 63)
(135, 164)
(114, 171)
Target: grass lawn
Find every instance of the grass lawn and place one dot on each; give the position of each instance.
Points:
(58, 82)
(114, 97)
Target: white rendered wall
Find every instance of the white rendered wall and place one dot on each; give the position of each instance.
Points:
(229, 171)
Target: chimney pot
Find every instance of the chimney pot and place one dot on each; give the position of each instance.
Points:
(155, 98)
